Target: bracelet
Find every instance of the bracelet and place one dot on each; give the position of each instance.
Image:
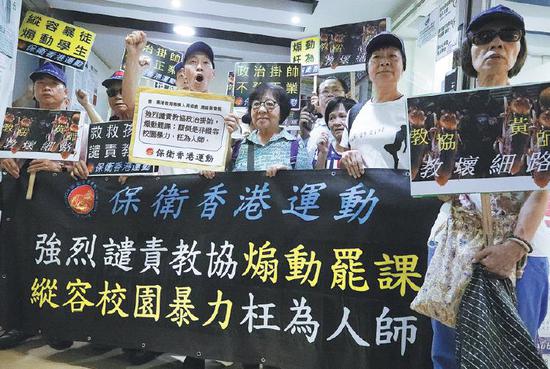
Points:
(523, 243)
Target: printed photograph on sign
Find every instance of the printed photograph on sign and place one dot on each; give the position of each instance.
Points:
(162, 63)
(55, 40)
(40, 134)
(249, 75)
(108, 149)
(343, 47)
(180, 129)
(492, 140)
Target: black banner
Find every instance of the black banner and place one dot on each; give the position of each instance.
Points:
(162, 63)
(310, 269)
(250, 75)
(108, 148)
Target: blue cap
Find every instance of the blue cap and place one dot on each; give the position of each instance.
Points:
(51, 70)
(178, 66)
(386, 39)
(494, 13)
(117, 76)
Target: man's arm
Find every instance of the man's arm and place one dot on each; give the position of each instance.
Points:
(135, 42)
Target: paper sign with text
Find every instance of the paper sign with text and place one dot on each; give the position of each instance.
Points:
(180, 129)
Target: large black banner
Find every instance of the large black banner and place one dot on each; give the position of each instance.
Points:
(310, 269)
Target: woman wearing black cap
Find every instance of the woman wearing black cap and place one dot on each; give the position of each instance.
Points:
(376, 130)
(494, 51)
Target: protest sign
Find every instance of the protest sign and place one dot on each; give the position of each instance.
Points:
(306, 52)
(40, 134)
(343, 47)
(250, 75)
(491, 140)
(230, 83)
(55, 40)
(183, 265)
(9, 21)
(428, 28)
(162, 63)
(108, 148)
(180, 129)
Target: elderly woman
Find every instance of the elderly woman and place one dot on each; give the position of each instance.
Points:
(328, 154)
(268, 147)
(494, 51)
(376, 131)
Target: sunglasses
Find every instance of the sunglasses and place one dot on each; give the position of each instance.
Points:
(506, 35)
(112, 92)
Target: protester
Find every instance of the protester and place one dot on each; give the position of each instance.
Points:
(273, 147)
(376, 130)
(329, 154)
(50, 92)
(493, 52)
(119, 110)
(311, 125)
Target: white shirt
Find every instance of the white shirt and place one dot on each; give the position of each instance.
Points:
(379, 132)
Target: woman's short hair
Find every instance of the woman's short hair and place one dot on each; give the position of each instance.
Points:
(333, 104)
(279, 94)
(468, 67)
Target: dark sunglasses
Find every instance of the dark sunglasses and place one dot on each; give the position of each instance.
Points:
(112, 92)
(506, 35)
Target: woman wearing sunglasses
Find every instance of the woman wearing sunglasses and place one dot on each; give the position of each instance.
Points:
(494, 51)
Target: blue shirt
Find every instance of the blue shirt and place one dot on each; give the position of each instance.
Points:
(275, 151)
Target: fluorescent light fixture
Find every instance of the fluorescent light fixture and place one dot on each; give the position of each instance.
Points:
(184, 30)
(176, 3)
(295, 19)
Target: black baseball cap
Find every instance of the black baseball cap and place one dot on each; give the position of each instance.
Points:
(494, 13)
(196, 47)
(386, 39)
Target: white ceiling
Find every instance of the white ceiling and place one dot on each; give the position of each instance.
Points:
(255, 17)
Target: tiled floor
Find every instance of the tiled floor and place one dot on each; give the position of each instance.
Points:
(36, 354)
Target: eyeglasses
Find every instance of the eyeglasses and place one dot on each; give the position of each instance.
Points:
(112, 92)
(506, 35)
(269, 104)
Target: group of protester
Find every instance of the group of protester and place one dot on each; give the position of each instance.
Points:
(340, 133)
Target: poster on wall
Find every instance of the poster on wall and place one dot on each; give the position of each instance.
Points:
(343, 47)
(10, 11)
(180, 129)
(250, 75)
(162, 63)
(427, 30)
(306, 52)
(491, 140)
(40, 134)
(55, 40)
(447, 30)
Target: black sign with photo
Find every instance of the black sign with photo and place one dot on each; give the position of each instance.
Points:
(343, 47)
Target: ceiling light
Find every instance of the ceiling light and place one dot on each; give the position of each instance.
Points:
(295, 20)
(176, 3)
(184, 30)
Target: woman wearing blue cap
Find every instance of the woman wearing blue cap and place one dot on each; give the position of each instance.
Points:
(494, 51)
